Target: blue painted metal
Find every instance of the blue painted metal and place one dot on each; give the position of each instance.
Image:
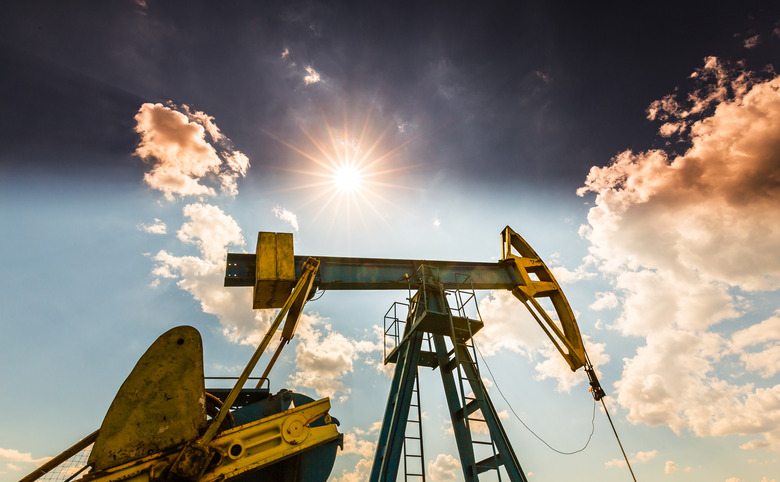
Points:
(431, 318)
(459, 413)
(379, 274)
(430, 315)
(391, 436)
(313, 465)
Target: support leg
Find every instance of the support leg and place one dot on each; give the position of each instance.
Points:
(391, 437)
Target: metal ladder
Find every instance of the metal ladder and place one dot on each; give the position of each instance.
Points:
(483, 449)
(430, 318)
(414, 459)
(479, 455)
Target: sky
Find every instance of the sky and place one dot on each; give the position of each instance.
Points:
(635, 147)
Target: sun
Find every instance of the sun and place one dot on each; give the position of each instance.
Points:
(349, 170)
(347, 179)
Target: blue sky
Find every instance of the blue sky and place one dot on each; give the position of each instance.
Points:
(636, 150)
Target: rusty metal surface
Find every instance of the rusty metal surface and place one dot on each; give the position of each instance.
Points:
(160, 405)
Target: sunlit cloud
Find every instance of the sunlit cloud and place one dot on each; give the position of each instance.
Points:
(754, 444)
(184, 162)
(158, 227)
(637, 458)
(312, 77)
(444, 468)
(671, 467)
(604, 301)
(361, 472)
(286, 216)
(323, 357)
(213, 232)
(751, 42)
(355, 444)
(13, 455)
(510, 327)
(677, 235)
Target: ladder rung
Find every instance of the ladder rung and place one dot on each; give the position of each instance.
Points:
(481, 442)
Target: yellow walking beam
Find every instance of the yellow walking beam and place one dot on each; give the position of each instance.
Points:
(537, 281)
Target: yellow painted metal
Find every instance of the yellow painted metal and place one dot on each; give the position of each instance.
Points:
(196, 456)
(270, 440)
(161, 404)
(537, 281)
(239, 450)
(274, 269)
(151, 429)
(301, 291)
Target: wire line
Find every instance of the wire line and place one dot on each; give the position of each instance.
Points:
(618, 440)
(592, 420)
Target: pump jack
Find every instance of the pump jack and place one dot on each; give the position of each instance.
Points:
(150, 435)
(273, 269)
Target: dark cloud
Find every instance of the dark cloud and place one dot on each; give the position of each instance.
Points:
(540, 91)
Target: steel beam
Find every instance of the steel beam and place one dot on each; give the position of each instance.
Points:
(380, 274)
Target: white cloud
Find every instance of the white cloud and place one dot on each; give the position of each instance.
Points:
(754, 444)
(605, 300)
(671, 467)
(766, 362)
(285, 53)
(286, 216)
(476, 425)
(678, 236)
(312, 77)
(211, 230)
(509, 326)
(158, 227)
(375, 427)
(566, 276)
(354, 445)
(183, 161)
(13, 455)
(323, 357)
(443, 468)
(637, 458)
(359, 474)
(553, 365)
(206, 121)
(645, 456)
